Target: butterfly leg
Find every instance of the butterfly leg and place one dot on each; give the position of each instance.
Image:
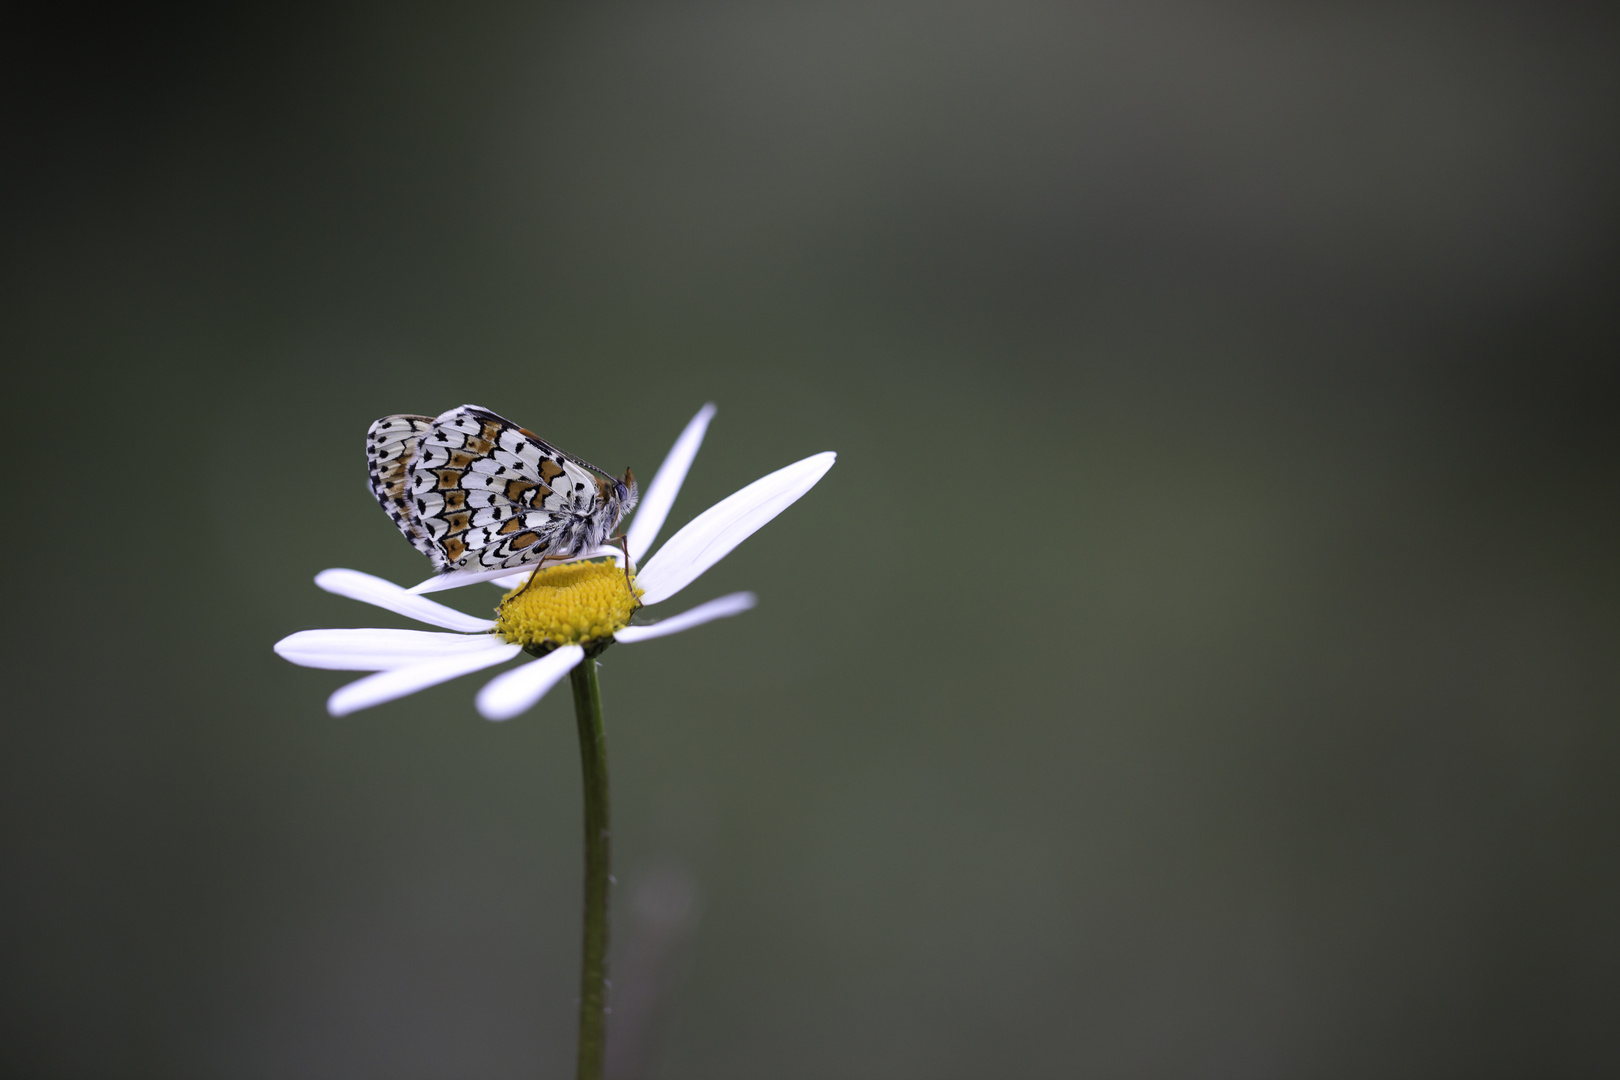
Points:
(623, 545)
(529, 580)
(539, 565)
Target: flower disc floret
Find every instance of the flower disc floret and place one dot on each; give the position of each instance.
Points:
(573, 604)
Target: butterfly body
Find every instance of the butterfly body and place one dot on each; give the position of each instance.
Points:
(473, 491)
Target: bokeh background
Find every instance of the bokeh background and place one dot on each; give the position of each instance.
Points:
(1201, 661)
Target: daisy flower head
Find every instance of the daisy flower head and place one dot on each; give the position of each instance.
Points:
(560, 614)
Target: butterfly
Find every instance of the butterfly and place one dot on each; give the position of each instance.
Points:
(476, 493)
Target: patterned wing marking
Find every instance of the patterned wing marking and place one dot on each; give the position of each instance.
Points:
(472, 490)
(391, 448)
(485, 488)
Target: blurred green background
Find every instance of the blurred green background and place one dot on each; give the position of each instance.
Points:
(1201, 661)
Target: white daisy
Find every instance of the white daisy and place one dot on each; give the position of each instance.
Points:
(565, 613)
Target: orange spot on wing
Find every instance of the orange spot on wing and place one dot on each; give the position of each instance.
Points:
(516, 489)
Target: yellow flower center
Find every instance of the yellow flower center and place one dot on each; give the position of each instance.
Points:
(573, 604)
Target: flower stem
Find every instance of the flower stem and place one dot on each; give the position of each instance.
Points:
(593, 962)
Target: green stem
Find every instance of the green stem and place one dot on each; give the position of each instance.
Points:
(593, 963)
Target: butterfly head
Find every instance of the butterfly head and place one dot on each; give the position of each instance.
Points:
(618, 498)
(626, 492)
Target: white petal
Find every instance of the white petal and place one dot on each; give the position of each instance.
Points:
(516, 691)
(385, 594)
(388, 685)
(375, 650)
(660, 494)
(455, 579)
(735, 604)
(514, 580)
(505, 584)
(503, 575)
(710, 536)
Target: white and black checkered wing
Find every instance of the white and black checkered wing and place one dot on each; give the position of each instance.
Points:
(391, 447)
(491, 495)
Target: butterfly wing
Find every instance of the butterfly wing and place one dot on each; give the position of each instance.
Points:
(391, 448)
(489, 494)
